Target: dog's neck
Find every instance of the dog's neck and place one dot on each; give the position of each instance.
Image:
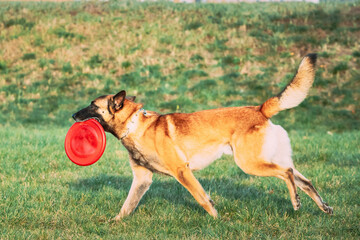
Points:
(132, 124)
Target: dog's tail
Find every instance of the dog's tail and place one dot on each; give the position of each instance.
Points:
(295, 92)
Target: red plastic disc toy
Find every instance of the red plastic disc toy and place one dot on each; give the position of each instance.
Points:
(85, 142)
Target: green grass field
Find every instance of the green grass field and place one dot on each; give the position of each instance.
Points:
(44, 195)
(56, 58)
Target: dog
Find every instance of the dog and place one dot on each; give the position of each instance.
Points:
(177, 144)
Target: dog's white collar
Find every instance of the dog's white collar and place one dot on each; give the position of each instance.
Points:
(133, 123)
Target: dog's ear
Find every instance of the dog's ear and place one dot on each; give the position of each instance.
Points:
(131, 98)
(118, 100)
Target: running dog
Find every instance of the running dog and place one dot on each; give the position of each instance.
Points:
(179, 143)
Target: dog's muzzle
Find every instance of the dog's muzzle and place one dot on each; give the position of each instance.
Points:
(85, 119)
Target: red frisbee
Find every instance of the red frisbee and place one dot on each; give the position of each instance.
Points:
(85, 142)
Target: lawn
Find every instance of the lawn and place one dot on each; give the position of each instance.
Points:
(44, 195)
(57, 57)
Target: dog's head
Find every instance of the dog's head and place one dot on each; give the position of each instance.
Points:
(111, 111)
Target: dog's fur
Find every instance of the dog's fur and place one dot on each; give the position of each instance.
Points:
(179, 143)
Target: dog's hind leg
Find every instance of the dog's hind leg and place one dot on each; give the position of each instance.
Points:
(264, 169)
(141, 183)
(252, 153)
(305, 185)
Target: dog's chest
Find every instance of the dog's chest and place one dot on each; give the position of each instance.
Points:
(147, 159)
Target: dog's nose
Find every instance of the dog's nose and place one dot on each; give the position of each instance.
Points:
(73, 116)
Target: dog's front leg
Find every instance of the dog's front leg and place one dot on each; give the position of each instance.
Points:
(141, 183)
(184, 175)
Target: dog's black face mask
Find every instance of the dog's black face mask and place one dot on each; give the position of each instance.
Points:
(92, 112)
(103, 110)
(87, 113)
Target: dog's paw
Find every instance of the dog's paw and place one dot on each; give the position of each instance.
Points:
(297, 204)
(327, 209)
(115, 219)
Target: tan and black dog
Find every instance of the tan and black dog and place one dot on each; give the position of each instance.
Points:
(179, 143)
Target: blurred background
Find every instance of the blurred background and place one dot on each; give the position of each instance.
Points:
(56, 57)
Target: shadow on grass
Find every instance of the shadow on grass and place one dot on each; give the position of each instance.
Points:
(170, 190)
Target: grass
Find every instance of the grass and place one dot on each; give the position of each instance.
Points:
(56, 57)
(160, 52)
(44, 195)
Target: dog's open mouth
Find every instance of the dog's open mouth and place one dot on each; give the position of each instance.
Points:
(83, 120)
